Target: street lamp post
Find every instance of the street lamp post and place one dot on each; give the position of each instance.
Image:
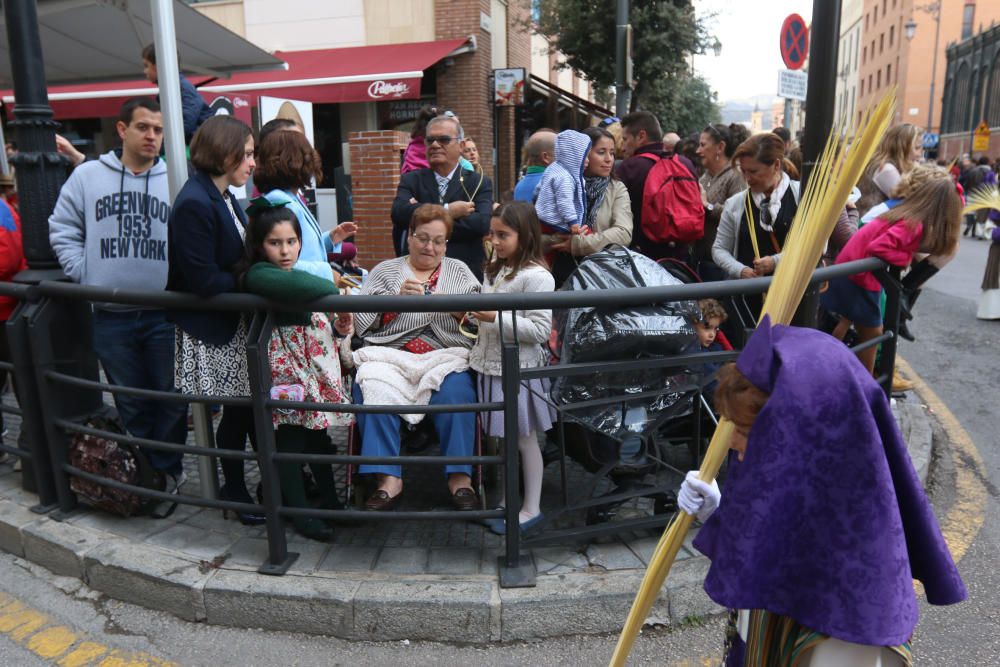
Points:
(934, 9)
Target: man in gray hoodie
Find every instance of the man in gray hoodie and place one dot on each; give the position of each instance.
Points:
(109, 229)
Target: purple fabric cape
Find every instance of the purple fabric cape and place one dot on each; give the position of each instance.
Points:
(825, 519)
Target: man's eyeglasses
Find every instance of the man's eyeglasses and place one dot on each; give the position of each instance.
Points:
(442, 139)
(425, 240)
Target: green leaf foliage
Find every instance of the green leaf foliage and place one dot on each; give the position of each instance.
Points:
(665, 33)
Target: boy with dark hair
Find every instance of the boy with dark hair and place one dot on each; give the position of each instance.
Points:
(642, 144)
(109, 229)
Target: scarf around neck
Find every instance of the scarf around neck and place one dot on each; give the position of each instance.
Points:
(596, 187)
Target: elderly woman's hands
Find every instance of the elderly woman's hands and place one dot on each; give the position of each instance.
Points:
(747, 272)
(411, 286)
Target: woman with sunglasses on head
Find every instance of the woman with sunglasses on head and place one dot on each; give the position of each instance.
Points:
(417, 357)
(756, 221)
(719, 181)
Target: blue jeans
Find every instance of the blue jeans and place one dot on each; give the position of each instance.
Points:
(456, 430)
(136, 349)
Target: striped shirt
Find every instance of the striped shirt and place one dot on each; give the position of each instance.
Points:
(439, 330)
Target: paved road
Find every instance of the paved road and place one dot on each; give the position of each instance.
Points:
(955, 354)
(959, 357)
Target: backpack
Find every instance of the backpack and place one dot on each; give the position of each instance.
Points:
(671, 203)
(118, 461)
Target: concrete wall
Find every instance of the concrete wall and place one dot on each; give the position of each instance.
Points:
(399, 21)
(228, 14)
(295, 25)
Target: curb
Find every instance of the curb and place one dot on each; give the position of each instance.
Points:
(470, 609)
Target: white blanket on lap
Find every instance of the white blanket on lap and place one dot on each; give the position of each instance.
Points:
(396, 377)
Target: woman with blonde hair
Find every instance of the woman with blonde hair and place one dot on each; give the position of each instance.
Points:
(897, 154)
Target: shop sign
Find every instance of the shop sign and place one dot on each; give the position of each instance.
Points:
(382, 89)
(508, 87)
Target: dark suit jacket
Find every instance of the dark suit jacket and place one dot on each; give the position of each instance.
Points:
(466, 243)
(203, 250)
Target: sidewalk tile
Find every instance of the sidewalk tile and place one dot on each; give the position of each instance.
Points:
(349, 558)
(402, 560)
(615, 556)
(193, 542)
(454, 561)
(559, 560)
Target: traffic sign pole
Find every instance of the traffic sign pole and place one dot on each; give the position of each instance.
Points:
(820, 91)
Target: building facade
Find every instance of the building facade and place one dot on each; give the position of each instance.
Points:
(848, 59)
(893, 56)
(972, 93)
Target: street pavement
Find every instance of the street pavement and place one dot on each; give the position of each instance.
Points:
(958, 356)
(955, 355)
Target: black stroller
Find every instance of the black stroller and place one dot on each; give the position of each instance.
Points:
(618, 390)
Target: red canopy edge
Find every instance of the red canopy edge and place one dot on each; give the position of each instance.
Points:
(321, 76)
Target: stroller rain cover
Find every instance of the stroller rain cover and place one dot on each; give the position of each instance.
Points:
(619, 333)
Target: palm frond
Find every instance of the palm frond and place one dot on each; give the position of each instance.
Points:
(839, 168)
(985, 197)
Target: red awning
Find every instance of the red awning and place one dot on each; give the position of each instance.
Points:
(321, 76)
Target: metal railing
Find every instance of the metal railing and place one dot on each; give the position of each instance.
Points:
(54, 402)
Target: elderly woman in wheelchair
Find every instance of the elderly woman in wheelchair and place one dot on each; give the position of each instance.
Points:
(414, 358)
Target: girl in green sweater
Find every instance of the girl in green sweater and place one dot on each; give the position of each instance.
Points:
(305, 356)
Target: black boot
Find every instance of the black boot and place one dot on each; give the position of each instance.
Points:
(911, 288)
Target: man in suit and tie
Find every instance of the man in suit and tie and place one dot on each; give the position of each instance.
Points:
(467, 195)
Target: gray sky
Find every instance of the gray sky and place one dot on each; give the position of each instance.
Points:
(751, 56)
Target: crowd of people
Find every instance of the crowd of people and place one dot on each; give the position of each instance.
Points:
(723, 204)
(621, 183)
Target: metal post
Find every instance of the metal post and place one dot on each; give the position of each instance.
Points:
(887, 356)
(623, 86)
(207, 469)
(822, 87)
(40, 170)
(169, 81)
(4, 167)
(820, 102)
(515, 572)
(279, 559)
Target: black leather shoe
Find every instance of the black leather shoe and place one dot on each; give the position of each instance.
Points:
(381, 501)
(465, 499)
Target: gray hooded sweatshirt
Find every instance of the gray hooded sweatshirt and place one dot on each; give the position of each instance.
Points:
(109, 226)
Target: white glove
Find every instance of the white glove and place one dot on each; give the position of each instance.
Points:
(698, 498)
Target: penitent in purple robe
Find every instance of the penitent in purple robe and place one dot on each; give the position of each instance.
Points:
(825, 520)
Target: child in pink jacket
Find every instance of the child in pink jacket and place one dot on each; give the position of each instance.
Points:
(926, 221)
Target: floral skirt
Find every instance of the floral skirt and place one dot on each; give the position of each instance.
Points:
(212, 370)
(308, 357)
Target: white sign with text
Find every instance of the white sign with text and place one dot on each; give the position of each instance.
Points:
(792, 84)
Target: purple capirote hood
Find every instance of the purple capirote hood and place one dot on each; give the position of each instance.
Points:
(825, 519)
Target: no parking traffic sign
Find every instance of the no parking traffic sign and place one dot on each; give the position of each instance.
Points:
(794, 41)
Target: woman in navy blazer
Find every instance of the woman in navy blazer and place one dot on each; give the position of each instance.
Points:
(206, 241)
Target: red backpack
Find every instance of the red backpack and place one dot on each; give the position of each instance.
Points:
(671, 203)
